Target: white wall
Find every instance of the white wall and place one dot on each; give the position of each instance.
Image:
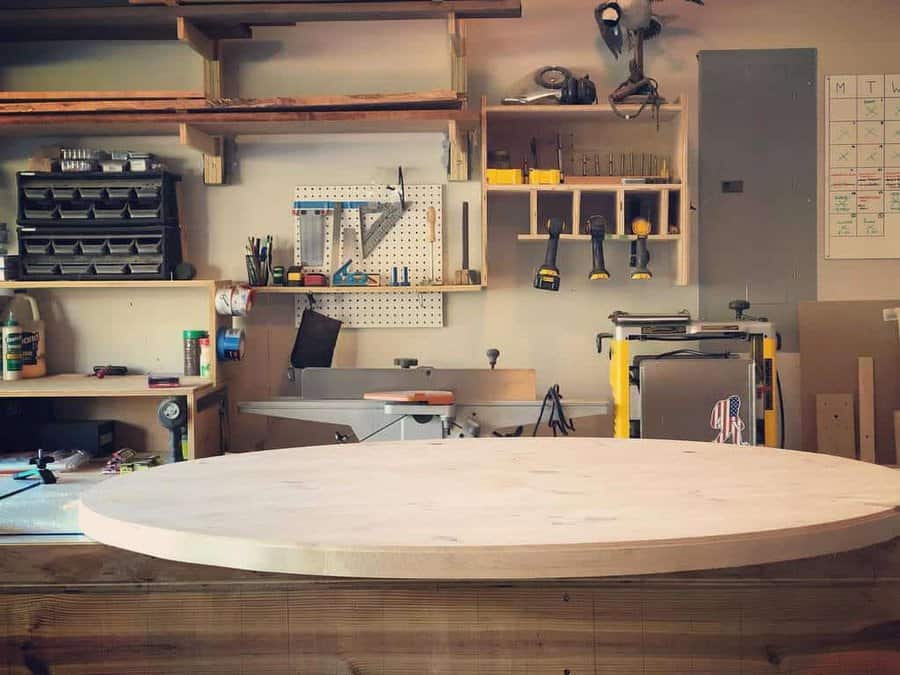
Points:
(551, 333)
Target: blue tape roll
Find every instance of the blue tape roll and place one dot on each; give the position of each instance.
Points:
(230, 344)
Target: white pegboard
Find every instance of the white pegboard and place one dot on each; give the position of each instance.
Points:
(406, 245)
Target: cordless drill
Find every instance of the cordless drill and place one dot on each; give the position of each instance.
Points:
(640, 255)
(598, 234)
(547, 277)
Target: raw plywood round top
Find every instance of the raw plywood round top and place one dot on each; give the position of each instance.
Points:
(498, 508)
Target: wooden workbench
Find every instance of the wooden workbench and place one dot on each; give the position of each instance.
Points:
(89, 608)
(200, 395)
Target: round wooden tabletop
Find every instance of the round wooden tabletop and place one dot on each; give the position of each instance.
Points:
(495, 508)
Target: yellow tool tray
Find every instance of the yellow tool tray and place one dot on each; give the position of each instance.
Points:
(544, 177)
(504, 176)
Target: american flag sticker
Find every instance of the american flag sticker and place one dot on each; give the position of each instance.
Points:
(726, 419)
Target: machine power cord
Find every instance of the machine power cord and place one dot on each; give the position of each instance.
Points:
(386, 426)
(557, 421)
(780, 410)
(653, 98)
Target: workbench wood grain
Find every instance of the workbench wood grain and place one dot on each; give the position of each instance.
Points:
(90, 609)
(498, 509)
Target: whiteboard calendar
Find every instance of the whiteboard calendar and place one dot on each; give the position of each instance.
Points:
(862, 128)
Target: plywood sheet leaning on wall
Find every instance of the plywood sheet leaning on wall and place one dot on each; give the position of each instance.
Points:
(897, 434)
(867, 408)
(834, 425)
(833, 335)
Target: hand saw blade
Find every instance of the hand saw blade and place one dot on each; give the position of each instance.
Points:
(391, 213)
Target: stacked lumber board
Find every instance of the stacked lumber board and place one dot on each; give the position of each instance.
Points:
(34, 20)
(156, 102)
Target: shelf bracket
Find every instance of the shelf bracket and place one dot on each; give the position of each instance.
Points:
(458, 72)
(207, 48)
(459, 142)
(212, 148)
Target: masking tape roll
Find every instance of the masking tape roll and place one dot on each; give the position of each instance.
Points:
(223, 300)
(241, 300)
(234, 300)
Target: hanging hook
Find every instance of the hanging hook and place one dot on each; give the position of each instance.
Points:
(401, 188)
(311, 301)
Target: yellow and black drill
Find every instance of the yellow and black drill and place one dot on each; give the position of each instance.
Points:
(547, 277)
(640, 256)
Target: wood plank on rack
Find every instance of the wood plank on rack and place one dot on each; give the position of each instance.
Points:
(228, 123)
(435, 99)
(131, 94)
(225, 21)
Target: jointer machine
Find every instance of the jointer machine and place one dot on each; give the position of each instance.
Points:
(422, 402)
(721, 390)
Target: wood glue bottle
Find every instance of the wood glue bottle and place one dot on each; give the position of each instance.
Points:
(12, 349)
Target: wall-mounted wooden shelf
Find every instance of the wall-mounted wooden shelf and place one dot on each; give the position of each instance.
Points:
(205, 286)
(201, 396)
(223, 20)
(125, 283)
(325, 290)
(204, 122)
(79, 385)
(587, 238)
(601, 139)
(598, 112)
(204, 131)
(583, 187)
(236, 123)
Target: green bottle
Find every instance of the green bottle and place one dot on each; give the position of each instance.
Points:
(12, 349)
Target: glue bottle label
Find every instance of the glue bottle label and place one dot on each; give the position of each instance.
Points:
(30, 344)
(12, 353)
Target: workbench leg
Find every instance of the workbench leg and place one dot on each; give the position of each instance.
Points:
(191, 428)
(204, 425)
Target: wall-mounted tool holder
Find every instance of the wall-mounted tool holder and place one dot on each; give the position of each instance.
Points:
(406, 244)
(622, 170)
(96, 199)
(86, 254)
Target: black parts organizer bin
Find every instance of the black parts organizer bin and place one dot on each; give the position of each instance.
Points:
(99, 254)
(98, 226)
(76, 199)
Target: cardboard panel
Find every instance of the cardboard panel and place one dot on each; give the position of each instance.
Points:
(866, 408)
(833, 335)
(897, 435)
(834, 425)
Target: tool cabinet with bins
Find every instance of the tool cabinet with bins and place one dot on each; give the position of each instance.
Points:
(98, 226)
(604, 156)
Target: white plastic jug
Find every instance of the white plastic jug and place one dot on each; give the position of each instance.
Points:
(34, 334)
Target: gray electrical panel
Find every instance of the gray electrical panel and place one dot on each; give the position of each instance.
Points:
(758, 178)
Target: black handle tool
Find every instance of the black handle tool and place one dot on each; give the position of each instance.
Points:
(547, 277)
(598, 234)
